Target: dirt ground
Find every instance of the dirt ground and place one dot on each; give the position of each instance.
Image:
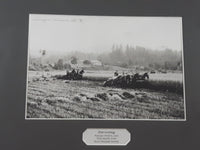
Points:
(52, 98)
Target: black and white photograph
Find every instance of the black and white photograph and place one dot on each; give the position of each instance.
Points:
(105, 68)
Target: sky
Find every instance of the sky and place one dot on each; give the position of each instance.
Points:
(65, 33)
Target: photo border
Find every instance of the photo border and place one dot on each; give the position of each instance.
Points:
(85, 119)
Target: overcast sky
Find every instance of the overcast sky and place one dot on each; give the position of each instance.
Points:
(65, 33)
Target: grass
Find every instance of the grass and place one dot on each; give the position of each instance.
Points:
(94, 78)
(160, 85)
(88, 99)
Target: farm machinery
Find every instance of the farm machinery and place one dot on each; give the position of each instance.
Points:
(126, 80)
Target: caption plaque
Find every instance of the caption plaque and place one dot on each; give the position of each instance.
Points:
(106, 137)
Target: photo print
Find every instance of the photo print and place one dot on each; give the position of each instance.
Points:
(105, 67)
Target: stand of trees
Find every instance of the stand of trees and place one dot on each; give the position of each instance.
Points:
(140, 56)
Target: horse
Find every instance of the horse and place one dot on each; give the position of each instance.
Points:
(73, 75)
(79, 75)
(145, 76)
(81, 72)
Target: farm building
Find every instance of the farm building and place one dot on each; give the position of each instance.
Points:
(96, 62)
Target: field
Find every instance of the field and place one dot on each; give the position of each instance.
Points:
(104, 75)
(51, 98)
(158, 76)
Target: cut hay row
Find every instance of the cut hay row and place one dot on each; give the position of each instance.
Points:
(91, 101)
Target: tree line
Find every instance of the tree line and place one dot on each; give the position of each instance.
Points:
(126, 57)
(139, 56)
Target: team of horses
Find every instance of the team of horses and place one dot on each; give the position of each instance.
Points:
(126, 80)
(72, 75)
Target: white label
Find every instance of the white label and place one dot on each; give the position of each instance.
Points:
(106, 136)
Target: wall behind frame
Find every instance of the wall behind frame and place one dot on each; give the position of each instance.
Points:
(16, 133)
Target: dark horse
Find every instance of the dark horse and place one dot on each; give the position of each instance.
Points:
(79, 75)
(73, 75)
(144, 76)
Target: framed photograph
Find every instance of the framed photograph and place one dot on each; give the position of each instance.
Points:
(105, 67)
(97, 74)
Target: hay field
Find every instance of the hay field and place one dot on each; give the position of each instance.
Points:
(101, 75)
(157, 76)
(52, 98)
